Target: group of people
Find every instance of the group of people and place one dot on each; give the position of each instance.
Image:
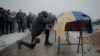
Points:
(24, 21)
(36, 24)
(8, 20)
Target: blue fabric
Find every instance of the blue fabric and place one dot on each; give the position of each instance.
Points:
(79, 16)
(90, 26)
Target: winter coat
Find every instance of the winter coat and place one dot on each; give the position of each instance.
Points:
(19, 17)
(9, 18)
(0, 17)
(25, 20)
(4, 17)
(40, 23)
(30, 19)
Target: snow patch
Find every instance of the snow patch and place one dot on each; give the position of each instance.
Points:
(9, 39)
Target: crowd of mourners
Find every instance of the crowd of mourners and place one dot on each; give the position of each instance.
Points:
(8, 20)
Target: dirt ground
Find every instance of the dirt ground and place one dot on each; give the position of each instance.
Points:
(94, 40)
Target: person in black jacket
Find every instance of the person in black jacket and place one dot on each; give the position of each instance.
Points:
(29, 20)
(1, 19)
(4, 21)
(37, 28)
(9, 27)
(20, 20)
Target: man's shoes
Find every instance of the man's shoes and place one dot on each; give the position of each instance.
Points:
(48, 43)
(19, 42)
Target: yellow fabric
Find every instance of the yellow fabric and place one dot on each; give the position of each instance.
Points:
(59, 26)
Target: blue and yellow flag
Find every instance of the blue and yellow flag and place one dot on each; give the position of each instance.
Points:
(70, 16)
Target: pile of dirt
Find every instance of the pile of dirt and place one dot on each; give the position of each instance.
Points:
(93, 40)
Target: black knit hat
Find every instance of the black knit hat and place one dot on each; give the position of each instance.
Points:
(44, 13)
(1, 8)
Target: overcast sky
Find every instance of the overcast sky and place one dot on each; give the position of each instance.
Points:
(90, 7)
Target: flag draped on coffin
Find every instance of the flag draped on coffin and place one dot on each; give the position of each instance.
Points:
(70, 16)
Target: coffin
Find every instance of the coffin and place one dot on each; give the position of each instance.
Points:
(77, 26)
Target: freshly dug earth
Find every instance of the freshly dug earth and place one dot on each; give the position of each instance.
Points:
(93, 40)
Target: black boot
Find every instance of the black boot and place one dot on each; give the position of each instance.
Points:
(47, 32)
(19, 42)
(48, 43)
